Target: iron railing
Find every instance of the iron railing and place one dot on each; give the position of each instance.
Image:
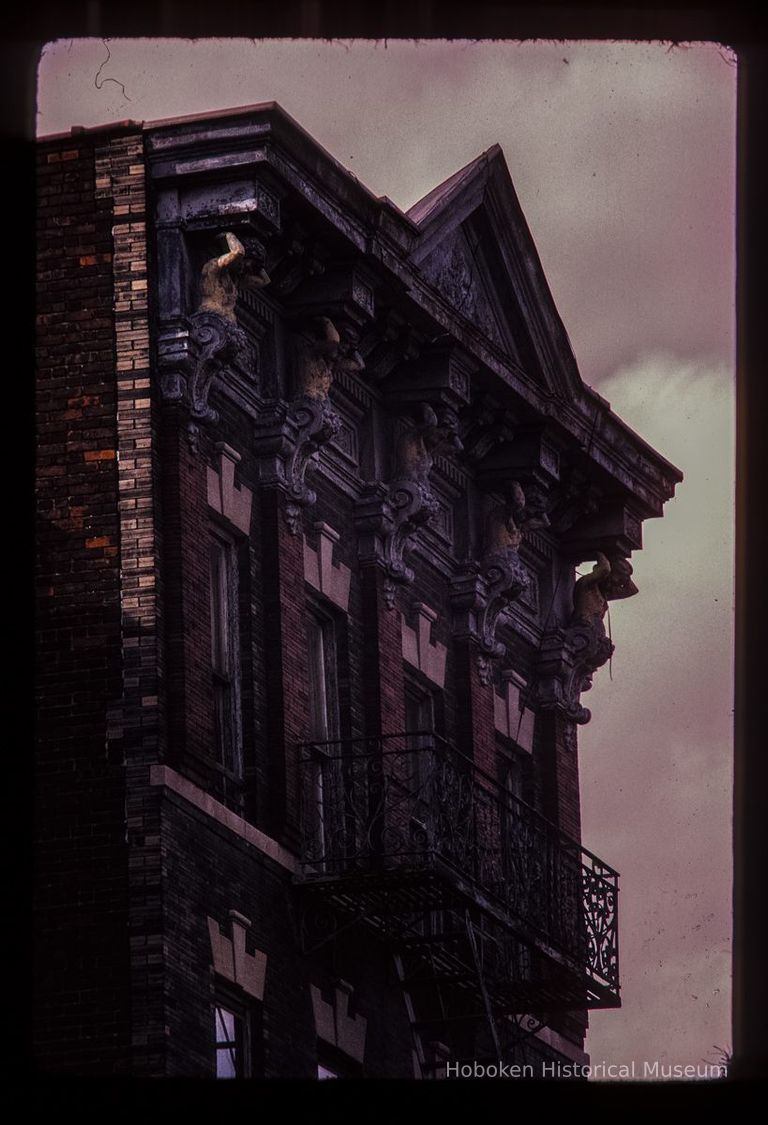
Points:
(411, 802)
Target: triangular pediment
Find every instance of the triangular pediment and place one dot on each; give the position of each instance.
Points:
(475, 248)
(457, 268)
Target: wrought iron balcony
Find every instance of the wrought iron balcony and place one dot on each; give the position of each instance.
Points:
(405, 824)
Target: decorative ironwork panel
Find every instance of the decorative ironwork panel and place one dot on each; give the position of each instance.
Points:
(411, 803)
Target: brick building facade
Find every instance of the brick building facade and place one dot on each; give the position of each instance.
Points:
(314, 476)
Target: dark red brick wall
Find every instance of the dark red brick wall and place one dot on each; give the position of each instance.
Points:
(211, 872)
(383, 683)
(121, 947)
(477, 737)
(287, 671)
(186, 564)
(556, 757)
(80, 895)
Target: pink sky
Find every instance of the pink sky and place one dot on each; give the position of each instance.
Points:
(623, 157)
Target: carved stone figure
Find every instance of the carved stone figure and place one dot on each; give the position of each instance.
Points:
(506, 522)
(606, 582)
(349, 358)
(418, 447)
(575, 496)
(575, 654)
(310, 421)
(390, 515)
(485, 588)
(222, 276)
(320, 357)
(212, 338)
(313, 423)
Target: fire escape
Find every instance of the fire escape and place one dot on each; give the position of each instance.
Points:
(493, 916)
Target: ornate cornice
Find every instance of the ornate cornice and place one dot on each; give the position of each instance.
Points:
(223, 163)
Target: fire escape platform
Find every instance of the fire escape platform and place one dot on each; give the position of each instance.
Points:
(430, 856)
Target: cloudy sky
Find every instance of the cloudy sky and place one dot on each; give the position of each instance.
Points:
(623, 157)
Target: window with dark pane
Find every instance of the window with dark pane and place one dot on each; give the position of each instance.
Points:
(225, 663)
(419, 714)
(515, 782)
(515, 773)
(323, 729)
(323, 708)
(231, 1054)
(420, 725)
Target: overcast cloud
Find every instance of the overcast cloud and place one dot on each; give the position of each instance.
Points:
(656, 760)
(623, 156)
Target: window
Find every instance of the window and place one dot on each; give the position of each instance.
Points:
(323, 702)
(327, 820)
(236, 1033)
(517, 836)
(514, 782)
(419, 722)
(231, 1044)
(419, 713)
(225, 654)
(422, 772)
(514, 771)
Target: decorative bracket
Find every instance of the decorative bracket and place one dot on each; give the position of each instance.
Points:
(193, 351)
(288, 439)
(289, 436)
(483, 590)
(480, 594)
(387, 518)
(216, 343)
(568, 659)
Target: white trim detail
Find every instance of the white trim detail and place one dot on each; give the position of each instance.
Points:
(331, 579)
(334, 1024)
(559, 1043)
(509, 717)
(418, 649)
(231, 502)
(230, 959)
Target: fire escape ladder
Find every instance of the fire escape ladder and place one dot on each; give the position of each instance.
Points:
(427, 1064)
(418, 1044)
(481, 983)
